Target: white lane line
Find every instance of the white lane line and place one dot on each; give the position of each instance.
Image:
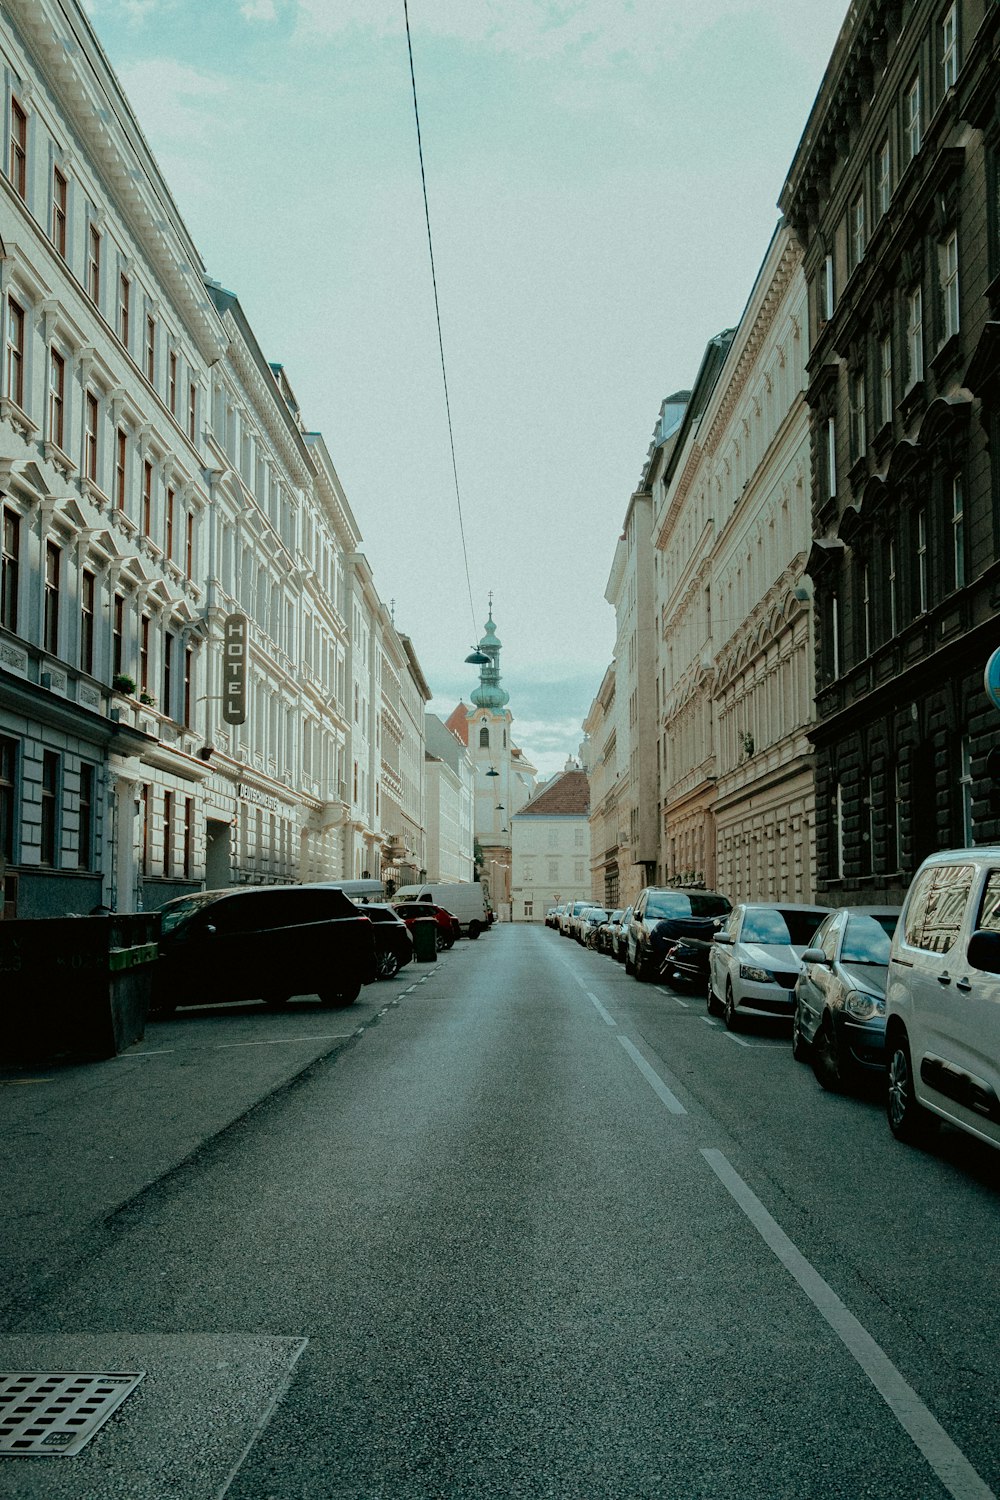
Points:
(608, 1019)
(948, 1462)
(738, 1040)
(277, 1041)
(684, 1004)
(710, 1022)
(653, 1078)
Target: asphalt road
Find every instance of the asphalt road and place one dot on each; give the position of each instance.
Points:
(540, 1231)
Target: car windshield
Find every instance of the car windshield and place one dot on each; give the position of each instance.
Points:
(686, 904)
(778, 925)
(177, 912)
(867, 939)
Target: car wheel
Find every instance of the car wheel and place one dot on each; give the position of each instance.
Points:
(730, 1011)
(639, 967)
(475, 928)
(629, 966)
(829, 1064)
(908, 1120)
(387, 965)
(440, 942)
(712, 1001)
(340, 999)
(800, 1047)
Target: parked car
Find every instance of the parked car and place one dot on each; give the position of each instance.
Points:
(839, 1018)
(262, 943)
(448, 926)
(568, 916)
(943, 999)
(466, 899)
(619, 935)
(602, 941)
(756, 958)
(664, 914)
(393, 939)
(552, 916)
(589, 921)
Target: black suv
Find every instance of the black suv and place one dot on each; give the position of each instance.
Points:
(393, 939)
(262, 943)
(665, 916)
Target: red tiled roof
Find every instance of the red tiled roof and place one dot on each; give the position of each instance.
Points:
(568, 795)
(458, 723)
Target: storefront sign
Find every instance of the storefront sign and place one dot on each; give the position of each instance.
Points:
(234, 669)
(991, 679)
(259, 799)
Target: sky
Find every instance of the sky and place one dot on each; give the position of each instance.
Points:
(602, 179)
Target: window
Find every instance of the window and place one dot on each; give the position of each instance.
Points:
(150, 349)
(144, 853)
(15, 351)
(50, 635)
(949, 48)
(922, 592)
(144, 654)
(8, 797)
(188, 835)
(18, 167)
(838, 832)
(965, 789)
(168, 830)
(9, 561)
(949, 286)
(835, 634)
(50, 808)
(94, 264)
(883, 177)
(121, 468)
(91, 414)
(827, 290)
(866, 610)
(171, 509)
(957, 532)
(936, 907)
(915, 336)
(57, 397)
(858, 424)
(484, 739)
(118, 635)
(88, 594)
(85, 840)
(124, 298)
(188, 680)
(168, 674)
(893, 590)
(858, 229)
(885, 379)
(172, 382)
(192, 410)
(911, 118)
(59, 202)
(147, 498)
(189, 546)
(831, 456)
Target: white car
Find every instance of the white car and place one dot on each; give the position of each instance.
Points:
(568, 916)
(756, 958)
(942, 1022)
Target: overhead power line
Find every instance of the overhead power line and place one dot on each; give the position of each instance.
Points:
(437, 314)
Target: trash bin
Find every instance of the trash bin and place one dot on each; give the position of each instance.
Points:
(424, 931)
(75, 986)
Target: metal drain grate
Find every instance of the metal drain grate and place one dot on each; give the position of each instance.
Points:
(55, 1415)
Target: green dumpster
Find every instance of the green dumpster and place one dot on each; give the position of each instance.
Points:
(75, 986)
(424, 931)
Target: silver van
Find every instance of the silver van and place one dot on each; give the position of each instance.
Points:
(943, 999)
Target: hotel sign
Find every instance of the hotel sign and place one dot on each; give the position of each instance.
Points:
(234, 669)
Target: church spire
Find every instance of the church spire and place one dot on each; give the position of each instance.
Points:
(489, 694)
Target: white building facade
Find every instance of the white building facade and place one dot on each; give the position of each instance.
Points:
(449, 799)
(550, 848)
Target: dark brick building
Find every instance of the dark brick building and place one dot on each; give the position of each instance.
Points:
(894, 193)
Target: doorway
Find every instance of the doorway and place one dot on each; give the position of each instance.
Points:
(218, 855)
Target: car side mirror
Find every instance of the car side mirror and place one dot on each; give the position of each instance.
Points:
(722, 937)
(984, 951)
(814, 956)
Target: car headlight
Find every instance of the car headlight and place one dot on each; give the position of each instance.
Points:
(863, 1006)
(760, 976)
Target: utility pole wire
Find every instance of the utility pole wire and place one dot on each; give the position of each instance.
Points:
(437, 314)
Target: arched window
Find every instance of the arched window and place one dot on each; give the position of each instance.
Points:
(484, 739)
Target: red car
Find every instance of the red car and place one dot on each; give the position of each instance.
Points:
(448, 926)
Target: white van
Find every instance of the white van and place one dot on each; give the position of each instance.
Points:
(465, 899)
(943, 999)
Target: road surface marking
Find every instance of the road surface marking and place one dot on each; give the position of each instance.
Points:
(684, 1004)
(710, 1022)
(738, 1040)
(608, 1019)
(275, 1041)
(653, 1078)
(12, 1083)
(948, 1462)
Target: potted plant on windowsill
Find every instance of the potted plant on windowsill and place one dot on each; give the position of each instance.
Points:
(122, 683)
(147, 699)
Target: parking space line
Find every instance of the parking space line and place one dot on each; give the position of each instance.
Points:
(606, 1016)
(710, 1021)
(684, 1004)
(653, 1078)
(274, 1041)
(738, 1040)
(945, 1458)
